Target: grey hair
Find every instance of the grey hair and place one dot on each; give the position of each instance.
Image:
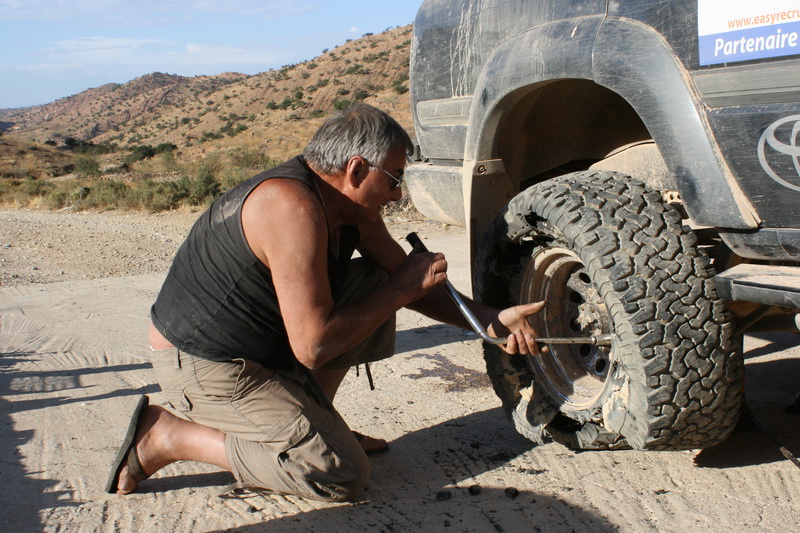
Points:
(359, 129)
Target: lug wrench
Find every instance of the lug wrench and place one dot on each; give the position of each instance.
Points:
(595, 340)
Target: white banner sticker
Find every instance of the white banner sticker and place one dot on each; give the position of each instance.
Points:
(731, 31)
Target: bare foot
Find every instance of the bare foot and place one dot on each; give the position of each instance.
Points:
(151, 445)
(371, 444)
(162, 438)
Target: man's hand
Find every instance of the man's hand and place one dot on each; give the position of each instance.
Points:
(513, 322)
(418, 274)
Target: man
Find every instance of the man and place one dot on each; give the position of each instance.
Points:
(263, 312)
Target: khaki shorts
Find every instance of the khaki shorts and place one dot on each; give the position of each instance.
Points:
(283, 435)
(364, 277)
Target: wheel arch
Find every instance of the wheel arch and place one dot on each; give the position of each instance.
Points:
(623, 71)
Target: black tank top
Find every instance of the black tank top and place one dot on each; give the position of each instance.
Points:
(218, 300)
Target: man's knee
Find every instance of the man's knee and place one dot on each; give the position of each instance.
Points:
(348, 488)
(345, 480)
(328, 471)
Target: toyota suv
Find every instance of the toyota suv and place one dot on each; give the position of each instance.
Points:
(636, 165)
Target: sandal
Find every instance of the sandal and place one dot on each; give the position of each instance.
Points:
(127, 454)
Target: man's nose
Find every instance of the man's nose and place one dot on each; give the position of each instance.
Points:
(397, 193)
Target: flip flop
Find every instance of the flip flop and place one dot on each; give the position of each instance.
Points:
(360, 436)
(127, 454)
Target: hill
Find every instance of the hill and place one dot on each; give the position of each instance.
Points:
(274, 112)
(19, 160)
(91, 113)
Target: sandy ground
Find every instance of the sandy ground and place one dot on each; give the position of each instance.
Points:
(74, 300)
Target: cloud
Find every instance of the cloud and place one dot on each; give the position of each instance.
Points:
(134, 13)
(88, 53)
(108, 52)
(42, 67)
(103, 44)
(268, 9)
(233, 56)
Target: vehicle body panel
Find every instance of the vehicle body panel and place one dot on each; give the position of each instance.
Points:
(485, 75)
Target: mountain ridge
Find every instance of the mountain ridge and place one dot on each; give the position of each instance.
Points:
(274, 111)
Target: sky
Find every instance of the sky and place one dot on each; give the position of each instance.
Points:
(51, 49)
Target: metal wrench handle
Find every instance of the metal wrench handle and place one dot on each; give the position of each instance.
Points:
(596, 340)
(417, 244)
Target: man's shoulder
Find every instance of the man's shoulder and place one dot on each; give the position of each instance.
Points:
(293, 175)
(283, 200)
(280, 210)
(295, 168)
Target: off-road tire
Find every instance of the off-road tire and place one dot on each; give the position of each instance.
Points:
(673, 378)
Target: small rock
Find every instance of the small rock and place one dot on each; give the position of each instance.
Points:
(511, 492)
(443, 495)
(475, 490)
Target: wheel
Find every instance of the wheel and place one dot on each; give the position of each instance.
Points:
(609, 257)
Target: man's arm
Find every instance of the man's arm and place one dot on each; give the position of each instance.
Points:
(379, 246)
(286, 228)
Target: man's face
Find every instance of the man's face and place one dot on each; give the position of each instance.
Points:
(378, 188)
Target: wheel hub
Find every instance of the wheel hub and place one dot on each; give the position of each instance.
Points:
(574, 375)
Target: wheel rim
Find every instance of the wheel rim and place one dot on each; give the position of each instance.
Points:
(574, 375)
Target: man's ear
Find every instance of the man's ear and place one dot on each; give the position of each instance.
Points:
(356, 170)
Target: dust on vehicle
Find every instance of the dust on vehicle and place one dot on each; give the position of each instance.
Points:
(635, 165)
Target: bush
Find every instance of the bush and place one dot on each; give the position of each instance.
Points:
(197, 186)
(34, 187)
(169, 162)
(159, 196)
(250, 159)
(210, 135)
(139, 153)
(87, 166)
(341, 104)
(398, 86)
(57, 200)
(233, 176)
(87, 147)
(106, 195)
(22, 192)
(203, 188)
(356, 69)
(230, 130)
(68, 195)
(164, 148)
(16, 173)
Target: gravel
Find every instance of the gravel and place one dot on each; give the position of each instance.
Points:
(48, 247)
(39, 246)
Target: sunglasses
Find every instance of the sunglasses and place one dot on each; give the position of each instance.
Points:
(396, 182)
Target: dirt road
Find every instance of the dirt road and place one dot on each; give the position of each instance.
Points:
(73, 359)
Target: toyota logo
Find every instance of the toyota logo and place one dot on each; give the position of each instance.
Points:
(777, 147)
